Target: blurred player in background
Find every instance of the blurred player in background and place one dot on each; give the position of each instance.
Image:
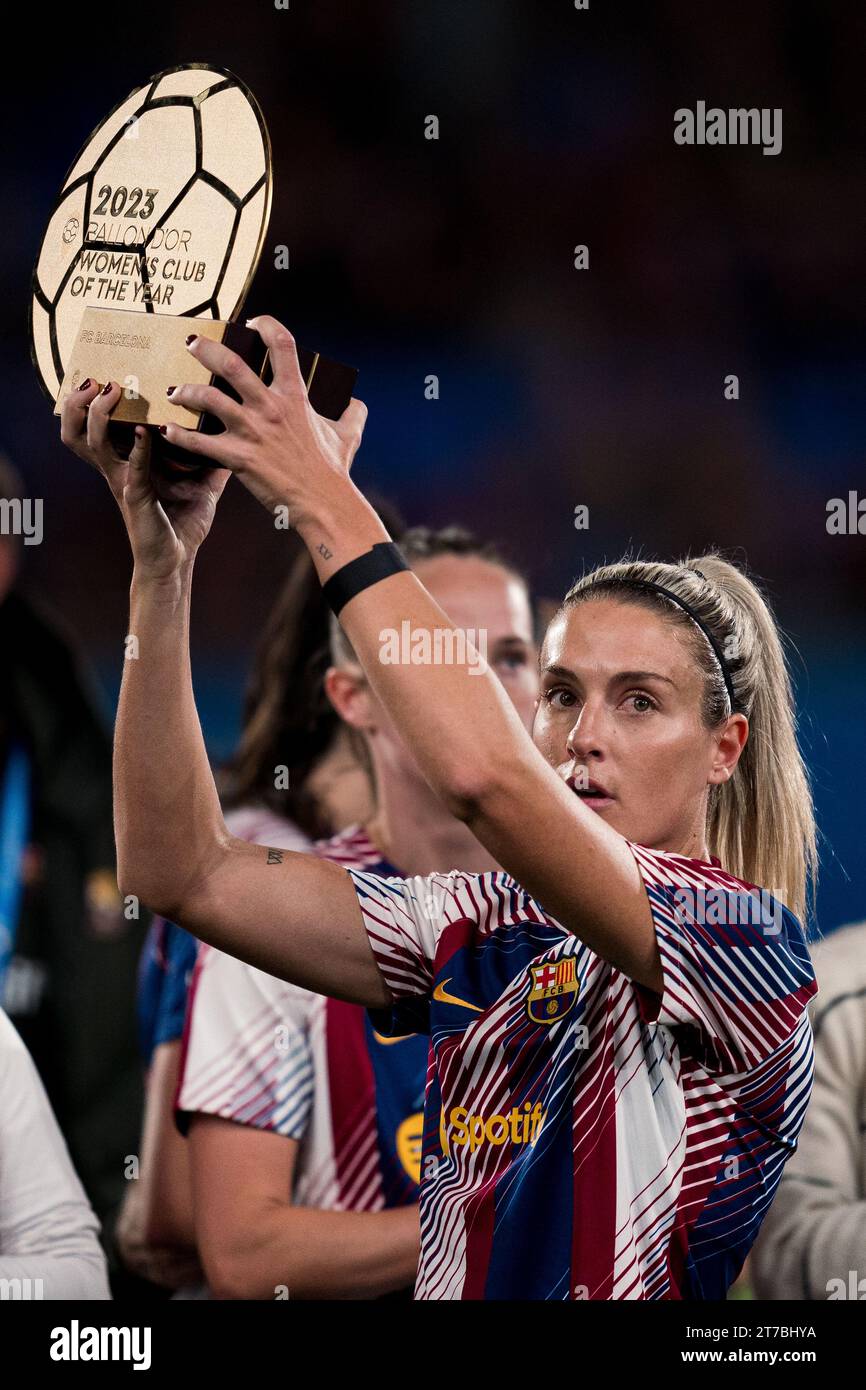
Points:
(813, 1243)
(49, 1235)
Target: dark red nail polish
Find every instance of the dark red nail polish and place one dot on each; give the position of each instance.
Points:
(170, 390)
(191, 339)
(162, 429)
(106, 390)
(85, 383)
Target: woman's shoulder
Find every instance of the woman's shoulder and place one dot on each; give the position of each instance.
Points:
(681, 871)
(702, 892)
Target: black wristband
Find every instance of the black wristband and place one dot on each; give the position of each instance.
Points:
(358, 574)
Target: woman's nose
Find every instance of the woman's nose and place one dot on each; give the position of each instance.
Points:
(586, 735)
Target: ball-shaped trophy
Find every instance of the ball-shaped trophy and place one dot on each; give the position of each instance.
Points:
(156, 235)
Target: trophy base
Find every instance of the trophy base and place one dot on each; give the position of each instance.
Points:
(146, 353)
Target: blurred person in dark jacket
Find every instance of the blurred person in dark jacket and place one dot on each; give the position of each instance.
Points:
(68, 949)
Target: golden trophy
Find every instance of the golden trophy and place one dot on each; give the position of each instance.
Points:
(156, 235)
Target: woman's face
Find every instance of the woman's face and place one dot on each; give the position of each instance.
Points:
(618, 717)
(490, 604)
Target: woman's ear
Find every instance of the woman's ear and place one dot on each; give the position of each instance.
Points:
(347, 689)
(728, 748)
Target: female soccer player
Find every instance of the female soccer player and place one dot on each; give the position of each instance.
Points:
(621, 1053)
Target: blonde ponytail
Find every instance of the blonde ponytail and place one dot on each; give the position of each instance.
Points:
(761, 823)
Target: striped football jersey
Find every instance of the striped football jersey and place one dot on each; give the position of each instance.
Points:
(585, 1138)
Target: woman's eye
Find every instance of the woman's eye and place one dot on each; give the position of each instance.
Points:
(559, 697)
(642, 704)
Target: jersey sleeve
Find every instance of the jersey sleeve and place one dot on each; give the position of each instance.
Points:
(737, 971)
(405, 917)
(247, 1054)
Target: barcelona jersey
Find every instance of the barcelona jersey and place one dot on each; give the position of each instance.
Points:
(585, 1138)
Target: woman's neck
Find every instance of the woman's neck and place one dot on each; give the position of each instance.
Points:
(414, 832)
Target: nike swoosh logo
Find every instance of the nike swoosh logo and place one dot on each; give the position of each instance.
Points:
(444, 997)
(389, 1042)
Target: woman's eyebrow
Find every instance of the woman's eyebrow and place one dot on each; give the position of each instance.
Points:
(621, 677)
(643, 676)
(563, 672)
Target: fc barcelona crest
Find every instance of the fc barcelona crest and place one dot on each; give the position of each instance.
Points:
(554, 991)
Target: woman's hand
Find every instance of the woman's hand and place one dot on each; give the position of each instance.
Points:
(282, 451)
(166, 518)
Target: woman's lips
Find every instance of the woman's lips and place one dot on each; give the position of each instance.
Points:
(597, 803)
(591, 793)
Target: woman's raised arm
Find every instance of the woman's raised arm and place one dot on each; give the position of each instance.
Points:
(455, 717)
(293, 915)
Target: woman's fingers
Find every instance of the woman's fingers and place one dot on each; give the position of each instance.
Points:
(216, 447)
(215, 481)
(210, 399)
(73, 418)
(353, 419)
(98, 417)
(139, 486)
(350, 427)
(222, 362)
(283, 353)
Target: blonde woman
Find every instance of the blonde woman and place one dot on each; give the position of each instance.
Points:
(621, 1055)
